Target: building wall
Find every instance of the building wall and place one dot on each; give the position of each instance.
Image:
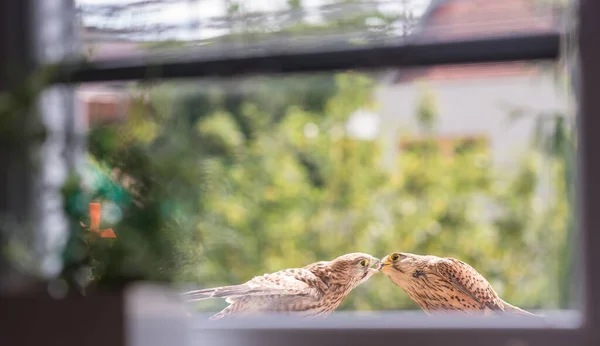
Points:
(472, 107)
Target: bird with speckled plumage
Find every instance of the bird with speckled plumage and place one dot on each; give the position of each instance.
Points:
(311, 291)
(445, 284)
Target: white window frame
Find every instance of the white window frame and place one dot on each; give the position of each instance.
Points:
(77, 317)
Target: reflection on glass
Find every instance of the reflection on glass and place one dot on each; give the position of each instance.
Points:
(213, 182)
(112, 29)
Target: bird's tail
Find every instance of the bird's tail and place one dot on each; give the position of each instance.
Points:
(215, 292)
(511, 309)
(222, 314)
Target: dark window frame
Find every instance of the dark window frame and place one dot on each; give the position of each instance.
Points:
(370, 331)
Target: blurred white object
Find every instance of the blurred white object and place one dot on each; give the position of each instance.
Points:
(155, 316)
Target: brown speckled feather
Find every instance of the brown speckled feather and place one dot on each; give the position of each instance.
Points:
(436, 283)
(473, 286)
(314, 290)
(290, 289)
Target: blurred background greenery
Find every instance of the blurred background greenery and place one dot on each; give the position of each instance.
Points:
(213, 182)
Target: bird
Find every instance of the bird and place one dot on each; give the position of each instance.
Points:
(445, 284)
(315, 290)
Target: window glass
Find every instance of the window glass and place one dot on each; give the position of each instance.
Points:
(212, 182)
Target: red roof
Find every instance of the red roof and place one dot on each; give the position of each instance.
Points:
(458, 19)
(476, 18)
(107, 102)
(110, 50)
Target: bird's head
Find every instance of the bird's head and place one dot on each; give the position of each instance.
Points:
(354, 268)
(404, 267)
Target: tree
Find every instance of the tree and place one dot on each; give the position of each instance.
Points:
(252, 177)
(218, 181)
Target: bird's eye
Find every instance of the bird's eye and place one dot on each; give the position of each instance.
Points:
(394, 257)
(362, 263)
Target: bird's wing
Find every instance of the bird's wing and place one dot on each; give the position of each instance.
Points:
(468, 281)
(300, 282)
(290, 281)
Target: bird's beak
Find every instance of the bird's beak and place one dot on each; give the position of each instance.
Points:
(385, 262)
(372, 269)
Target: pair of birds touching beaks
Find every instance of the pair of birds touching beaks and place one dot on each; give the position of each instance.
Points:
(434, 283)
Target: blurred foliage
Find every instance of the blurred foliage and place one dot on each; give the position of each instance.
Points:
(224, 181)
(214, 182)
(554, 137)
(364, 21)
(427, 110)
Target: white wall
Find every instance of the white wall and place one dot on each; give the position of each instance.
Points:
(471, 107)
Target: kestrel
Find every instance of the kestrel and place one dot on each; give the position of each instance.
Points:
(314, 290)
(436, 283)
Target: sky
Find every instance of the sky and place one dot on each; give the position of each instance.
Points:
(183, 11)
